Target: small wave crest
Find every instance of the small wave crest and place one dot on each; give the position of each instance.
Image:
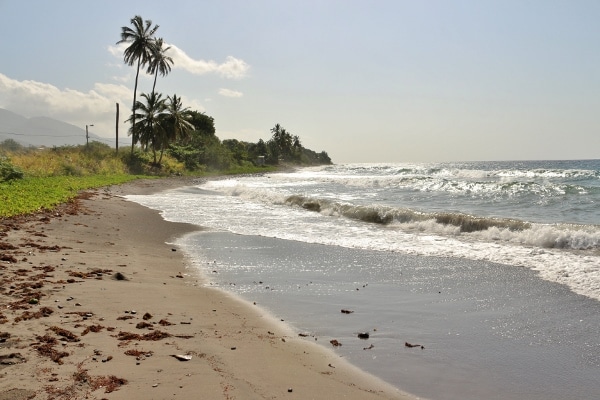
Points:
(386, 215)
(470, 227)
(567, 237)
(558, 236)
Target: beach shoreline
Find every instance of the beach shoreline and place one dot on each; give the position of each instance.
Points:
(97, 286)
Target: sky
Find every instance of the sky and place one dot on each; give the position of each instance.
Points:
(366, 81)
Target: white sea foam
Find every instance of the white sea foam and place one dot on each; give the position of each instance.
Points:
(252, 215)
(540, 215)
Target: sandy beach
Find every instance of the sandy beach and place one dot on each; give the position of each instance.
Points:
(96, 304)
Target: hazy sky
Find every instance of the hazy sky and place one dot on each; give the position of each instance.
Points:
(366, 81)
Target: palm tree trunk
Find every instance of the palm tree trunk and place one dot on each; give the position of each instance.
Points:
(154, 152)
(133, 132)
(155, 76)
(162, 150)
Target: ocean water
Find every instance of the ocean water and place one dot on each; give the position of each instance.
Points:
(494, 268)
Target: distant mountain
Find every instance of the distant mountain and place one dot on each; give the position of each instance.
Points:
(41, 131)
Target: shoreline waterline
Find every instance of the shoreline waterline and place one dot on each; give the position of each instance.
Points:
(504, 330)
(505, 313)
(416, 209)
(117, 292)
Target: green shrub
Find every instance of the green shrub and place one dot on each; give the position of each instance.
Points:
(8, 171)
(11, 145)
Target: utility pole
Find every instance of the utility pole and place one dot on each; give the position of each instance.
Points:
(117, 129)
(87, 136)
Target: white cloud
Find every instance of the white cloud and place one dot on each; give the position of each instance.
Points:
(231, 68)
(122, 78)
(34, 96)
(117, 50)
(230, 93)
(97, 106)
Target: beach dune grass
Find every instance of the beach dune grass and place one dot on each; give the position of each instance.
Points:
(94, 159)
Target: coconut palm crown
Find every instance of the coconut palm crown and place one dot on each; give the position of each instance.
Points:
(151, 127)
(160, 62)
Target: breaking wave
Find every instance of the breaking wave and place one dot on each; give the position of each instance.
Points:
(557, 236)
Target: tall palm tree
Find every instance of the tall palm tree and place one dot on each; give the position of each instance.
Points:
(177, 122)
(151, 126)
(141, 39)
(160, 61)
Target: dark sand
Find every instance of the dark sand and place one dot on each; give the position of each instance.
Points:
(94, 303)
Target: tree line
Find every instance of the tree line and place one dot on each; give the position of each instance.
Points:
(162, 124)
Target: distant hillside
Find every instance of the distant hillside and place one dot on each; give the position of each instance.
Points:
(41, 131)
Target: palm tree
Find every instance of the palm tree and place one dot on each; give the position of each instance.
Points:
(160, 61)
(177, 122)
(282, 141)
(151, 127)
(141, 39)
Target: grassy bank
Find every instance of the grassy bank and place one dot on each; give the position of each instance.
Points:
(36, 179)
(33, 194)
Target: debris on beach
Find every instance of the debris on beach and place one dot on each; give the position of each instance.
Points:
(364, 335)
(406, 344)
(369, 348)
(94, 273)
(119, 277)
(347, 311)
(182, 357)
(45, 347)
(335, 343)
(184, 336)
(92, 328)
(155, 335)
(143, 325)
(138, 353)
(65, 334)
(11, 359)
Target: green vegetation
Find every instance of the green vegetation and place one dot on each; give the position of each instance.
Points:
(34, 193)
(173, 140)
(32, 179)
(162, 124)
(8, 171)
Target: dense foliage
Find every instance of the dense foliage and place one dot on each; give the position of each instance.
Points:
(162, 124)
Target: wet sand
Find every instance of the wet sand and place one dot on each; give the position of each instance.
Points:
(95, 303)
